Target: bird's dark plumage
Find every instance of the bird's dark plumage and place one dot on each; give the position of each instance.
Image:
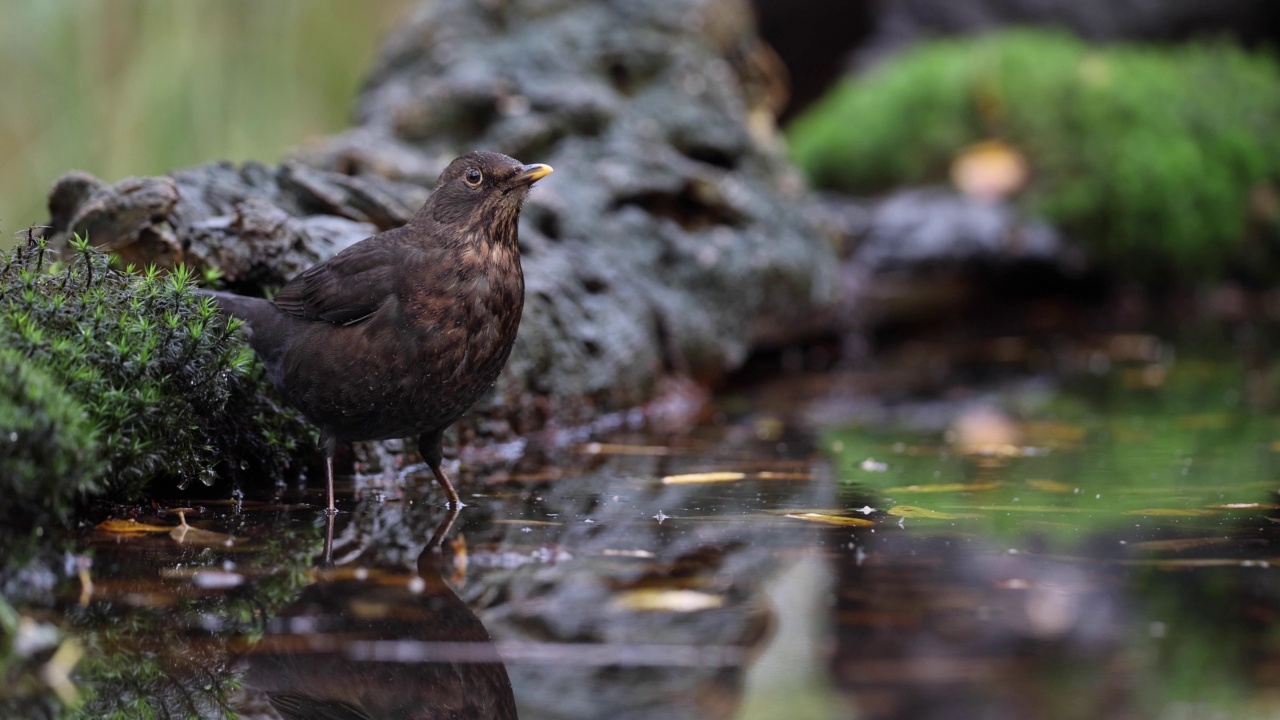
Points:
(399, 334)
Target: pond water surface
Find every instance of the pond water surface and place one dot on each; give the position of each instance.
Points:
(1099, 547)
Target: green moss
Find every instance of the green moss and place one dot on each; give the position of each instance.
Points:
(49, 452)
(130, 377)
(1150, 156)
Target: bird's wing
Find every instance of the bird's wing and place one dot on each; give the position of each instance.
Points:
(347, 288)
(299, 707)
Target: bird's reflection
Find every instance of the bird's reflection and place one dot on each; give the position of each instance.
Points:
(365, 644)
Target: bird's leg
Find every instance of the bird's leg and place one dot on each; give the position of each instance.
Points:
(330, 446)
(430, 445)
(328, 539)
(442, 531)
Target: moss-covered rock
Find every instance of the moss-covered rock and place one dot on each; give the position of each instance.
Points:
(114, 379)
(1155, 158)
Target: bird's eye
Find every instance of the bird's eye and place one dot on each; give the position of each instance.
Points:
(473, 177)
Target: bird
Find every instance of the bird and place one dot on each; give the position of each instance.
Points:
(397, 335)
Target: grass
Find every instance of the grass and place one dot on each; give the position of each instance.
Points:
(140, 87)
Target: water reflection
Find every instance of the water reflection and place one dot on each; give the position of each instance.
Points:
(949, 626)
(614, 579)
(376, 644)
(1109, 557)
(1072, 557)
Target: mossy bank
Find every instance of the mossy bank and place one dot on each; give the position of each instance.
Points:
(113, 380)
(1164, 162)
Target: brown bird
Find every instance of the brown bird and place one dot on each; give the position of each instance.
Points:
(399, 334)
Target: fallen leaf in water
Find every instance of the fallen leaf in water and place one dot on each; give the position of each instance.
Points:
(942, 488)
(1178, 544)
(130, 527)
(1052, 486)
(832, 519)
(1172, 512)
(662, 600)
(912, 511)
(772, 475)
(187, 535)
(706, 477)
(989, 170)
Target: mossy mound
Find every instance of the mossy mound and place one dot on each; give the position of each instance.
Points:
(1159, 159)
(49, 451)
(115, 379)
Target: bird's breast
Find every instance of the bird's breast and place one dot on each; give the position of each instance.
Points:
(465, 327)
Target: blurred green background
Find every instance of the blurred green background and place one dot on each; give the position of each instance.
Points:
(140, 87)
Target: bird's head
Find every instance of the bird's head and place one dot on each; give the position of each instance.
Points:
(482, 192)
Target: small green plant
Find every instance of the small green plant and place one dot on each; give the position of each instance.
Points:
(49, 451)
(1155, 158)
(132, 377)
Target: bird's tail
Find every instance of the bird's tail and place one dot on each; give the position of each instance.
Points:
(269, 328)
(257, 313)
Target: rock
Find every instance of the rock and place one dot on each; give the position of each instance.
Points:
(673, 237)
(129, 218)
(932, 226)
(930, 253)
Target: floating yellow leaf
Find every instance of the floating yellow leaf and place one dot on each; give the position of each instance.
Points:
(1052, 486)
(912, 511)
(706, 477)
(187, 535)
(772, 475)
(665, 600)
(943, 488)
(832, 519)
(130, 527)
(1172, 512)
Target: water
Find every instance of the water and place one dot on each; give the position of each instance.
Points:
(1101, 545)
